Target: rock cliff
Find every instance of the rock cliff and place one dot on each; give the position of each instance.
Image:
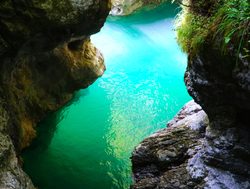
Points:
(45, 55)
(218, 78)
(126, 7)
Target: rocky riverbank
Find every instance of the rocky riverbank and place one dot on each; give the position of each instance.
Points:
(189, 154)
(46, 55)
(161, 160)
(217, 77)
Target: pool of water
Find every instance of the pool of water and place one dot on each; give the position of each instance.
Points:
(87, 143)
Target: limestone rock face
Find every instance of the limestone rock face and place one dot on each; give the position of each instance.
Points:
(189, 154)
(45, 55)
(221, 86)
(161, 160)
(184, 156)
(126, 7)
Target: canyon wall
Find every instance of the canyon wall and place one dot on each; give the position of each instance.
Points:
(46, 54)
(212, 149)
(126, 7)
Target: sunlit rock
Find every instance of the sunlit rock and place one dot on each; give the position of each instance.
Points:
(126, 7)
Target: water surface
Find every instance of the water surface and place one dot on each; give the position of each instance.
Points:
(88, 142)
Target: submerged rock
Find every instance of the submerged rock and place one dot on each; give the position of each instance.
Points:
(46, 55)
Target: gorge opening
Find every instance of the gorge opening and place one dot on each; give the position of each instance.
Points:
(87, 143)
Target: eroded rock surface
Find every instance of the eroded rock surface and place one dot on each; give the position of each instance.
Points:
(161, 160)
(45, 55)
(221, 85)
(188, 154)
(11, 174)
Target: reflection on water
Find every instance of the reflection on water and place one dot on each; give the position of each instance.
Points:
(87, 143)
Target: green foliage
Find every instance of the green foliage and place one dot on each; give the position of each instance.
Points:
(226, 21)
(234, 25)
(192, 32)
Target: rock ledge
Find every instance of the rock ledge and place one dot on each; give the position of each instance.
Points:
(180, 156)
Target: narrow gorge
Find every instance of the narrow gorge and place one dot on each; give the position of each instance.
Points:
(94, 134)
(67, 120)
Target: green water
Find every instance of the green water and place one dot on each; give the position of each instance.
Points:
(87, 143)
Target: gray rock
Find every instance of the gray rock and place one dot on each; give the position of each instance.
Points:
(169, 151)
(188, 156)
(11, 174)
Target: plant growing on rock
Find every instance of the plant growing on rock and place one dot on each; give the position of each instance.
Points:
(226, 22)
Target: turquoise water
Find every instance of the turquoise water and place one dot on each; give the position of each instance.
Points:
(87, 143)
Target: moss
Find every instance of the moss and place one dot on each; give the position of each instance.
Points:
(28, 133)
(192, 32)
(223, 22)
